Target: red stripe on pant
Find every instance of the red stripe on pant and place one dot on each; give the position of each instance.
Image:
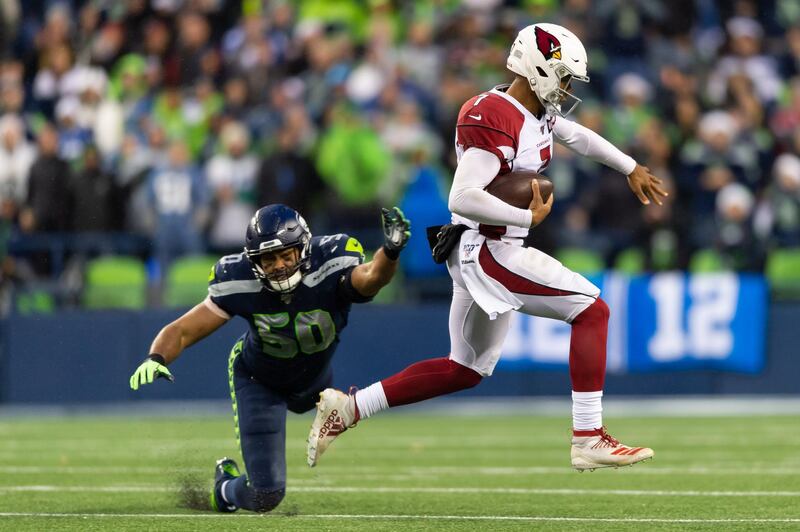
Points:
(427, 379)
(513, 281)
(587, 348)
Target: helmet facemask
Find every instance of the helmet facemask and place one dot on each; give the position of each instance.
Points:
(559, 100)
(283, 280)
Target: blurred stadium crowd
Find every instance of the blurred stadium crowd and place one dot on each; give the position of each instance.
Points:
(155, 128)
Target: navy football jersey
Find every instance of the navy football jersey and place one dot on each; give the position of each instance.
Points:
(291, 338)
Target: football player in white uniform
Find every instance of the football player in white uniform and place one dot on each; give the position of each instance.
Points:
(512, 127)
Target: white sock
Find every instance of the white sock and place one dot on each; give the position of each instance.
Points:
(587, 410)
(371, 400)
(222, 491)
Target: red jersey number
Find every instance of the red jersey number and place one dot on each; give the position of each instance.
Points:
(544, 154)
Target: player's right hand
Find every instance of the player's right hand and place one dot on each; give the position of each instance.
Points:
(538, 207)
(152, 368)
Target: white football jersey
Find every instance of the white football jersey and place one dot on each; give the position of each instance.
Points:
(496, 122)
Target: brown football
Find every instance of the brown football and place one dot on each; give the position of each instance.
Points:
(515, 188)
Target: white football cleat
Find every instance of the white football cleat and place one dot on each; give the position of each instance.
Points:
(598, 449)
(336, 412)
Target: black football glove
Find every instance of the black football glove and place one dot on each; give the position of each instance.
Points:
(396, 232)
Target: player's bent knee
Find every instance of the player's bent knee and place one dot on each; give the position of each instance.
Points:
(601, 309)
(266, 500)
(302, 406)
(597, 311)
(463, 377)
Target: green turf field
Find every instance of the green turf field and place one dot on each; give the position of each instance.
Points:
(406, 472)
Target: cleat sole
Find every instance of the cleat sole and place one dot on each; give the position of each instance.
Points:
(313, 435)
(591, 467)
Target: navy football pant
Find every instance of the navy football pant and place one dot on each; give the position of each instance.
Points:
(260, 417)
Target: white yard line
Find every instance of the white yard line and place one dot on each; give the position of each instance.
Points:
(523, 518)
(414, 489)
(434, 471)
(100, 470)
(566, 470)
(619, 406)
(548, 491)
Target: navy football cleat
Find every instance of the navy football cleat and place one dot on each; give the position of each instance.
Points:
(226, 469)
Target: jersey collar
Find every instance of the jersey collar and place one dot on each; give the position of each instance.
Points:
(500, 90)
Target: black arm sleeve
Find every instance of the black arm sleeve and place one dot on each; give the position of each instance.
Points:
(347, 292)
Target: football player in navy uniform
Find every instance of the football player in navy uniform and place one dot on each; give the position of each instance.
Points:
(295, 291)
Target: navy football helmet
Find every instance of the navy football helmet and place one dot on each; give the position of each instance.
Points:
(274, 228)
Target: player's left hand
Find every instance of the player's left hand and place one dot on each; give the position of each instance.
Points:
(396, 231)
(646, 186)
(152, 368)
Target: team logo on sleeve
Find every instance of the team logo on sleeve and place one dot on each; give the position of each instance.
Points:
(547, 44)
(354, 246)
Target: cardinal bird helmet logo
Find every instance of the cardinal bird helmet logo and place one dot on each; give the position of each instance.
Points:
(548, 44)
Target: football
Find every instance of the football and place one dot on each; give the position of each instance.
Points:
(515, 188)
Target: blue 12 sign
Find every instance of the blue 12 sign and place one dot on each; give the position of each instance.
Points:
(669, 321)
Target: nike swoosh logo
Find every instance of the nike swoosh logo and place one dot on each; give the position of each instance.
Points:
(576, 60)
(476, 117)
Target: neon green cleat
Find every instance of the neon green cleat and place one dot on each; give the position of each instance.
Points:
(226, 469)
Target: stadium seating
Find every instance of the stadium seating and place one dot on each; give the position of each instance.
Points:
(630, 261)
(783, 273)
(33, 300)
(582, 261)
(115, 282)
(187, 280)
(707, 261)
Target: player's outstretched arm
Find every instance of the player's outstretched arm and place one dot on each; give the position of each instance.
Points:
(193, 326)
(370, 277)
(584, 141)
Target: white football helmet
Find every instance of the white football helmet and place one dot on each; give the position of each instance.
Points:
(549, 56)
